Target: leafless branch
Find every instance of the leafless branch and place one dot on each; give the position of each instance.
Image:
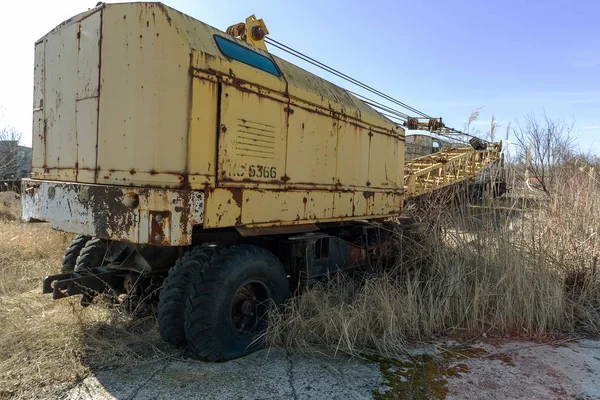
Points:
(544, 145)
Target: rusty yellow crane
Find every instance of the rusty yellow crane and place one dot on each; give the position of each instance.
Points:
(193, 163)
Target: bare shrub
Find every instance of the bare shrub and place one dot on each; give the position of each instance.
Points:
(9, 152)
(544, 146)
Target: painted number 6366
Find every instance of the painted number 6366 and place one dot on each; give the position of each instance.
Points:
(262, 171)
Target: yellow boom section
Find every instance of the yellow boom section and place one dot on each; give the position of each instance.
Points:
(435, 171)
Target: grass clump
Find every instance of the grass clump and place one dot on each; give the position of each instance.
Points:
(47, 345)
(523, 264)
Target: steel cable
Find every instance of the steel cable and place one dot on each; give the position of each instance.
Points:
(383, 109)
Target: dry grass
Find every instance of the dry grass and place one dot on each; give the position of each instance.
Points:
(48, 345)
(514, 267)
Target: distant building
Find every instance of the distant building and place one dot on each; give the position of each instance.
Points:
(15, 160)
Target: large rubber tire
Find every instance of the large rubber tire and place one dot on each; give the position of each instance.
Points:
(73, 251)
(91, 256)
(212, 320)
(171, 304)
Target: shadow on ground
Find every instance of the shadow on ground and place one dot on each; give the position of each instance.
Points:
(266, 374)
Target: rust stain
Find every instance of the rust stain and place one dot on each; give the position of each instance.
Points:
(159, 220)
(276, 230)
(357, 255)
(236, 193)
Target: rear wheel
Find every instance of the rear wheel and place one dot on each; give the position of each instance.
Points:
(227, 305)
(171, 304)
(91, 255)
(73, 251)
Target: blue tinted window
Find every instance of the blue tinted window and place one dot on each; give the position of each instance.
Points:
(242, 54)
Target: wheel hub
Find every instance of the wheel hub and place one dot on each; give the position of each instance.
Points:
(248, 308)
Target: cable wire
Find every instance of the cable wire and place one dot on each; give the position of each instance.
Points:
(306, 58)
(383, 109)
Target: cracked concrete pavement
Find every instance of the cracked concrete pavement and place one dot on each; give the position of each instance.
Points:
(509, 370)
(267, 374)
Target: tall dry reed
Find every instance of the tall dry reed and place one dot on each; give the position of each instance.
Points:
(520, 264)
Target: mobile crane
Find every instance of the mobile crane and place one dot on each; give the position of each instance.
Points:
(194, 163)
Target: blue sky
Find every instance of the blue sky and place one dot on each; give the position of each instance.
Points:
(446, 58)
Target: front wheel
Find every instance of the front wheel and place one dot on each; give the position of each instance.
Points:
(227, 306)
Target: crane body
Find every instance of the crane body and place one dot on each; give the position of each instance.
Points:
(193, 160)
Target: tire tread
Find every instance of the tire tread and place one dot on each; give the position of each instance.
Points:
(201, 317)
(174, 292)
(70, 258)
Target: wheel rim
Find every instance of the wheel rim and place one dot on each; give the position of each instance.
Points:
(249, 308)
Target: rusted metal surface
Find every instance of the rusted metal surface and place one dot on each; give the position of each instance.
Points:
(136, 215)
(276, 230)
(136, 105)
(428, 173)
(253, 208)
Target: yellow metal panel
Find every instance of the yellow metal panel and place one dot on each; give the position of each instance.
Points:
(86, 176)
(369, 197)
(271, 206)
(311, 148)
(226, 207)
(304, 86)
(38, 140)
(38, 76)
(385, 203)
(88, 63)
(317, 92)
(202, 158)
(222, 208)
(144, 98)
(343, 204)
(59, 98)
(66, 89)
(135, 178)
(401, 164)
(360, 204)
(384, 161)
(87, 130)
(252, 136)
(318, 205)
(86, 107)
(353, 155)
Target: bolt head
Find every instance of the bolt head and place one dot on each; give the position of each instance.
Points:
(258, 33)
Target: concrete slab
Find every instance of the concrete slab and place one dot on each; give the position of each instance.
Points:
(265, 375)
